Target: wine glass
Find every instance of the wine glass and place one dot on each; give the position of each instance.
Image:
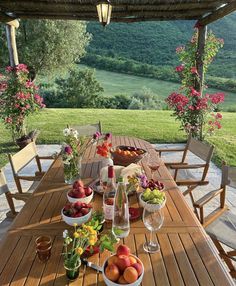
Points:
(152, 164)
(153, 220)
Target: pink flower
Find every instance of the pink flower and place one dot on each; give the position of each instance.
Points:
(17, 105)
(179, 68)
(68, 150)
(194, 70)
(108, 136)
(217, 97)
(218, 125)
(3, 86)
(9, 69)
(191, 107)
(96, 135)
(27, 106)
(8, 120)
(193, 92)
(179, 49)
(218, 115)
(177, 101)
(29, 84)
(22, 67)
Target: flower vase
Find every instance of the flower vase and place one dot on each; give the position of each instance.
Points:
(73, 170)
(107, 162)
(72, 273)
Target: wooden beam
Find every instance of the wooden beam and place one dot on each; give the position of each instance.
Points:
(15, 23)
(202, 34)
(11, 43)
(218, 14)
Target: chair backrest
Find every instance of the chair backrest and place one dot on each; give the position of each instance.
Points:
(23, 157)
(89, 129)
(200, 149)
(228, 176)
(3, 183)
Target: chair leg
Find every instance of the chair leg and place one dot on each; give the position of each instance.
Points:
(189, 192)
(11, 205)
(226, 258)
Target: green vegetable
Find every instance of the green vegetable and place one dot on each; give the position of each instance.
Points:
(154, 197)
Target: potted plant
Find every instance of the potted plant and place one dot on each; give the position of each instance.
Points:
(19, 99)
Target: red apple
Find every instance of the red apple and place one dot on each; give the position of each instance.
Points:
(88, 191)
(123, 250)
(78, 184)
(85, 211)
(78, 214)
(123, 262)
(78, 205)
(138, 267)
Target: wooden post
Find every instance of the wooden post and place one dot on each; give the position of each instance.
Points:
(11, 43)
(202, 34)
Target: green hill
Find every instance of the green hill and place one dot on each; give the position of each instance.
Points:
(155, 42)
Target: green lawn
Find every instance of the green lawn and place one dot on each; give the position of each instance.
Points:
(118, 83)
(151, 125)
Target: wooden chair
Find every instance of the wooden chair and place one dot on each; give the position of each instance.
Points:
(200, 150)
(9, 196)
(89, 129)
(21, 159)
(221, 223)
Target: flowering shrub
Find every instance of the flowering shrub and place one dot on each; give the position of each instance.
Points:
(191, 106)
(19, 98)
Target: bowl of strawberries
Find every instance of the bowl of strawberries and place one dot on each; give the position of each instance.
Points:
(123, 268)
(77, 212)
(80, 193)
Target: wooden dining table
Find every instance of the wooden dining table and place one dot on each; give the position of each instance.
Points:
(187, 255)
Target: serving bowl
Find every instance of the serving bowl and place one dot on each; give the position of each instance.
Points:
(78, 220)
(126, 155)
(86, 199)
(151, 207)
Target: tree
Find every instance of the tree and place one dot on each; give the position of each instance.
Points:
(80, 89)
(47, 45)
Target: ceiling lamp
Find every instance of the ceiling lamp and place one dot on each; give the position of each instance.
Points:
(104, 12)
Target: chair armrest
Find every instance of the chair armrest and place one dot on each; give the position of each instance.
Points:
(191, 183)
(170, 150)
(205, 199)
(46, 157)
(187, 166)
(30, 178)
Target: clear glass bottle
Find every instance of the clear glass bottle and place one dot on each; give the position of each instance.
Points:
(120, 223)
(109, 194)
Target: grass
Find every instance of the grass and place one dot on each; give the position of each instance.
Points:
(153, 125)
(118, 83)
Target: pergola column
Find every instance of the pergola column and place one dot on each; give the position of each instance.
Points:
(11, 42)
(202, 34)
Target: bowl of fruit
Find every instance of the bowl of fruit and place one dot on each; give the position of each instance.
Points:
(78, 213)
(126, 155)
(80, 193)
(123, 268)
(153, 197)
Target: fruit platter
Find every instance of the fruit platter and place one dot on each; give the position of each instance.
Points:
(126, 155)
(123, 268)
(80, 193)
(76, 213)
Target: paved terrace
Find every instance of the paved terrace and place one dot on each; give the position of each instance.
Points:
(214, 177)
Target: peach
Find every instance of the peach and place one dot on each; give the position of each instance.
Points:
(122, 280)
(112, 260)
(123, 262)
(130, 274)
(112, 272)
(132, 260)
(138, 267)
(123, 250)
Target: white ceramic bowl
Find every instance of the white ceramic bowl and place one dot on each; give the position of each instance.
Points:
(111, 283)
(78, 220)
(86, 200)
(151, 207)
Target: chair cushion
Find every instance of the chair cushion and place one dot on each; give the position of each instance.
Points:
(224, 229)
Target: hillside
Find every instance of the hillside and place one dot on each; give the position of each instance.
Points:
(155, 42)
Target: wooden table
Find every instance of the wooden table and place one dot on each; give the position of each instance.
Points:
(187, 255)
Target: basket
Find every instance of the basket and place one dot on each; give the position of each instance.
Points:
(123, 159)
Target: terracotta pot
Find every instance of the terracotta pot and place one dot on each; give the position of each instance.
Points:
(26, 139)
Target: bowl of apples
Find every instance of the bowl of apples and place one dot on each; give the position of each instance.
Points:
(80, 193)
(78, 213)
(126, 155)
(123, 268)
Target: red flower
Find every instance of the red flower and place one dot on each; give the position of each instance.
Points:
(179, 68)
(194, 70)
(193, 92)
(217, 97)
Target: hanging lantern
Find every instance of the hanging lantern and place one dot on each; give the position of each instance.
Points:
(104, 12)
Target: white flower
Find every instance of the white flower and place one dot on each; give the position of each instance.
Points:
(65, 233)
(66, 132)
(75, 133)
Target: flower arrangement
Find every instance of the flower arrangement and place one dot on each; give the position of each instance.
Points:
(104, 148)
(191, 106)
(19, 98)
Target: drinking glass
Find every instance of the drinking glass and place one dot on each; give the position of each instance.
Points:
(153, 220)
(43, 247)
(152, 164)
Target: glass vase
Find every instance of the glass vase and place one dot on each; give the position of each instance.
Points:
(73, 170)
(72, 273)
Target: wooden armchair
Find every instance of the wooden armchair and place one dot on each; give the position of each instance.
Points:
(21, 159)
(9, 196)
(221, 223)
(89, 129)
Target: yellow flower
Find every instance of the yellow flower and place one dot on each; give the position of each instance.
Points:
(79, 250)
(90, 229)
(92, 240)
(76, 235)
(75, 224)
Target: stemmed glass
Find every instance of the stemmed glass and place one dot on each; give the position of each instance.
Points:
(152, 164)
(153, 220)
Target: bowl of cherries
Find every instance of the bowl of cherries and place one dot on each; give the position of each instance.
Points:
(78, 213)
(80, 193)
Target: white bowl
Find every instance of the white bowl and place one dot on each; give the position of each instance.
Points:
(78, 220)
(111, 283)
(151, 207)
(86, 200)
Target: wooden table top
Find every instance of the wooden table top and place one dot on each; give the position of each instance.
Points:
(187, 255)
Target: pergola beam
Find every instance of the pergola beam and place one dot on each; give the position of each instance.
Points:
(218, 14)
(11, 43)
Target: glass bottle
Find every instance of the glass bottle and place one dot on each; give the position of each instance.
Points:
(109, 194)
(120, 223)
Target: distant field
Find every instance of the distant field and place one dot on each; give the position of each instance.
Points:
(117, 83)
(152, 125)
